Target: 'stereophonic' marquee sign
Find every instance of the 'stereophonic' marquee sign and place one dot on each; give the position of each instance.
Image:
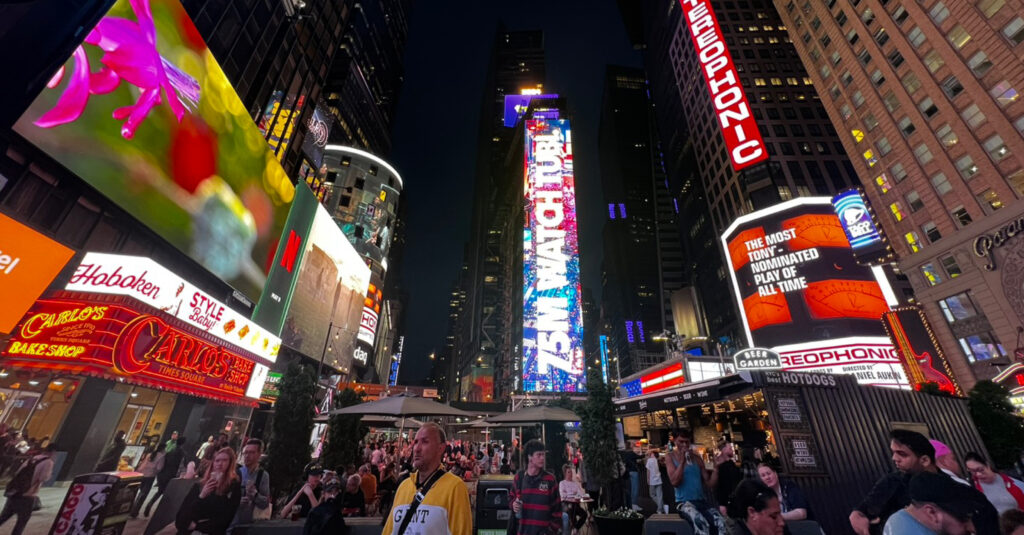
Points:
(739, 129)
(143, 279)
(552, 314)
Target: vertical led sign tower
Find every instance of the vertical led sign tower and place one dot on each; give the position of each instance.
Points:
(552, 315)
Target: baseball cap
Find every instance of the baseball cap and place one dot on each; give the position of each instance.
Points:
(952, 497)
(315, 470)
(940, 448)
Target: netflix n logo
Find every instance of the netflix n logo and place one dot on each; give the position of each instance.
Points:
(291, 251)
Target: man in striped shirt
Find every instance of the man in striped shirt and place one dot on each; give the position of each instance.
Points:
(535, 500)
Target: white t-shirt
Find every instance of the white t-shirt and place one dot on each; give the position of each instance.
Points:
(996, 493)
(569, 489)
(653, 471)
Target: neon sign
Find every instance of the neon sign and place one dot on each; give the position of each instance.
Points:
(856, 219)
(742, 138)
(120, 340)
(552, 314)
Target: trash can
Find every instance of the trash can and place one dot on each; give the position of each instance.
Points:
(493, 506)
(97, 504)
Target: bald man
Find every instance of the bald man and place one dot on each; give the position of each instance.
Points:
(442, 506)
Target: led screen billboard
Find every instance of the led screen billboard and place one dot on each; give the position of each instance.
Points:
(328, 294)
(802, 294)
(29, 261)
(552, 315)
(143, 112)
(516, 106)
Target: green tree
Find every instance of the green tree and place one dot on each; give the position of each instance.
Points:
(1000, 428)
(597, 439)
(289, 450)
(344, 431)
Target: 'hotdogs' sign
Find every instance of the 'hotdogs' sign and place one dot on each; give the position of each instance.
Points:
(113, 338)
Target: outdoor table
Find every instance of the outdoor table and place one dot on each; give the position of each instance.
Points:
(579, 506)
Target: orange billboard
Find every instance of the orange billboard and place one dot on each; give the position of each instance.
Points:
(29, 262)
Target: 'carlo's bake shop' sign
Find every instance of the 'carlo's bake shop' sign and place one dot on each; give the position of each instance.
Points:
(149, 282)
(117, 339)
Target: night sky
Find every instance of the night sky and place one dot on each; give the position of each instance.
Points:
(436, 129)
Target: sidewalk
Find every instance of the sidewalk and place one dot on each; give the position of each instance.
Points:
(42, 520)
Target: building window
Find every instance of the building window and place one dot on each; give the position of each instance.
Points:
(899, 15)
(836, 58)
(961, 216)
(869, 157)
(845, 111)
(996, 148)
(1016, 181)
(911, 83)
(913, 241)
(897, 210)
(931, 274)
(972, 116)
(825, 41)
(928, 107)
(852, 37)
(946, 135)
(868, 17)
(1014, 31)
(878, 78)
(864, 57)
(933, 61)
(982, 346)
(840, 18)
(958, 307)
(939, 12)
(952, 87)
(949, 264)
(931, 232)
(760, 82)
(923, 154)
(989, 7)
(914, 201)
(1004, 93)
(891, 102)
(916, 36)
(881, 37)
(883, 146)
(907, 126)
(989, 200)
(958, 36)
(870, 121)
(883, 183)
(967, 167)
(979, 64)
(858, 99)
(846, 78)
(941, 184)
(898, 173)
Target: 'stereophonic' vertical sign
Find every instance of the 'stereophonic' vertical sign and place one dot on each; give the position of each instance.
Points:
(552, 315)
(739, 129)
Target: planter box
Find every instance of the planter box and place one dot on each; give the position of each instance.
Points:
(618, 526)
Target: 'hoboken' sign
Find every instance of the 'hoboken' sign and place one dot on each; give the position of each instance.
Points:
(984, 244)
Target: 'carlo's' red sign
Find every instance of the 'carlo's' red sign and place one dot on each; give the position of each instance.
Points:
(113, 338)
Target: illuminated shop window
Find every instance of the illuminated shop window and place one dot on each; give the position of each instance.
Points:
(897, 210)
(914, 241)
(930, 274)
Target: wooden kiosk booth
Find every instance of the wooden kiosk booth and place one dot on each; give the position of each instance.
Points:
(829, 434)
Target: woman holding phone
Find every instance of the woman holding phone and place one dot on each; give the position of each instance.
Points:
(211, 505)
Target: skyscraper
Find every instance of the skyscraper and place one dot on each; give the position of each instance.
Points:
(641, 241)
(926, 96)
(492, 282)
(805, 156)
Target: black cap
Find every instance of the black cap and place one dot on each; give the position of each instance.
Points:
(315, 470)
(939, 489)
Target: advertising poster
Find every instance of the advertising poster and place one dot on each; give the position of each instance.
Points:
(369, 226)
(552, 314)
(802, 294)
(278, 122)
(143, 112)
(29, 262)
(318, 130)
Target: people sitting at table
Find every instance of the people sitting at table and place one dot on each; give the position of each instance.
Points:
(211, 504)
(353, 501)
(570, 492)
(308, 496)
(326, 518)
(791, 498)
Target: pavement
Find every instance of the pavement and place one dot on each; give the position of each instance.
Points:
(52, 498)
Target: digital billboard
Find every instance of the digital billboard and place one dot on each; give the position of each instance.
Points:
(739, 129)
(120, 339)
(328, 294)
(516, 106)
(802, 294)
(29, 261)
(143, 112)
(552, 316)
(862, 230)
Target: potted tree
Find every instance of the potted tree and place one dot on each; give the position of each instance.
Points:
(619, 521)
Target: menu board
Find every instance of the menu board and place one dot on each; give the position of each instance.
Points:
(793, 434)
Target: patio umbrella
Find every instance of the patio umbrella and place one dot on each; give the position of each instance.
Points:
(533, 415)
(403, 405)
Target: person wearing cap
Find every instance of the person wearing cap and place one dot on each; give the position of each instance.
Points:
(1003, 491)
(308, 496)
(326, 518)
(442, 498)
(946, 461)
(938, 505)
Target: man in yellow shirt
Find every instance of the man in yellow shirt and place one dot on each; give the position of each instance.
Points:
(431, 501)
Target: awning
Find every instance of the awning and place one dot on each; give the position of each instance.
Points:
(684, 396)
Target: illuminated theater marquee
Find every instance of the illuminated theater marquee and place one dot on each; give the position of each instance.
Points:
(552, 319)
(739, 129)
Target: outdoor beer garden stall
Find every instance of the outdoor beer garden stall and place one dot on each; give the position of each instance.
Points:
(826, 433)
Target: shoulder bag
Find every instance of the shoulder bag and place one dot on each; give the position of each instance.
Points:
(417, 499)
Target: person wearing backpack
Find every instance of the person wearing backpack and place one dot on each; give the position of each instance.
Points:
(255, 487)
(23, 488)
